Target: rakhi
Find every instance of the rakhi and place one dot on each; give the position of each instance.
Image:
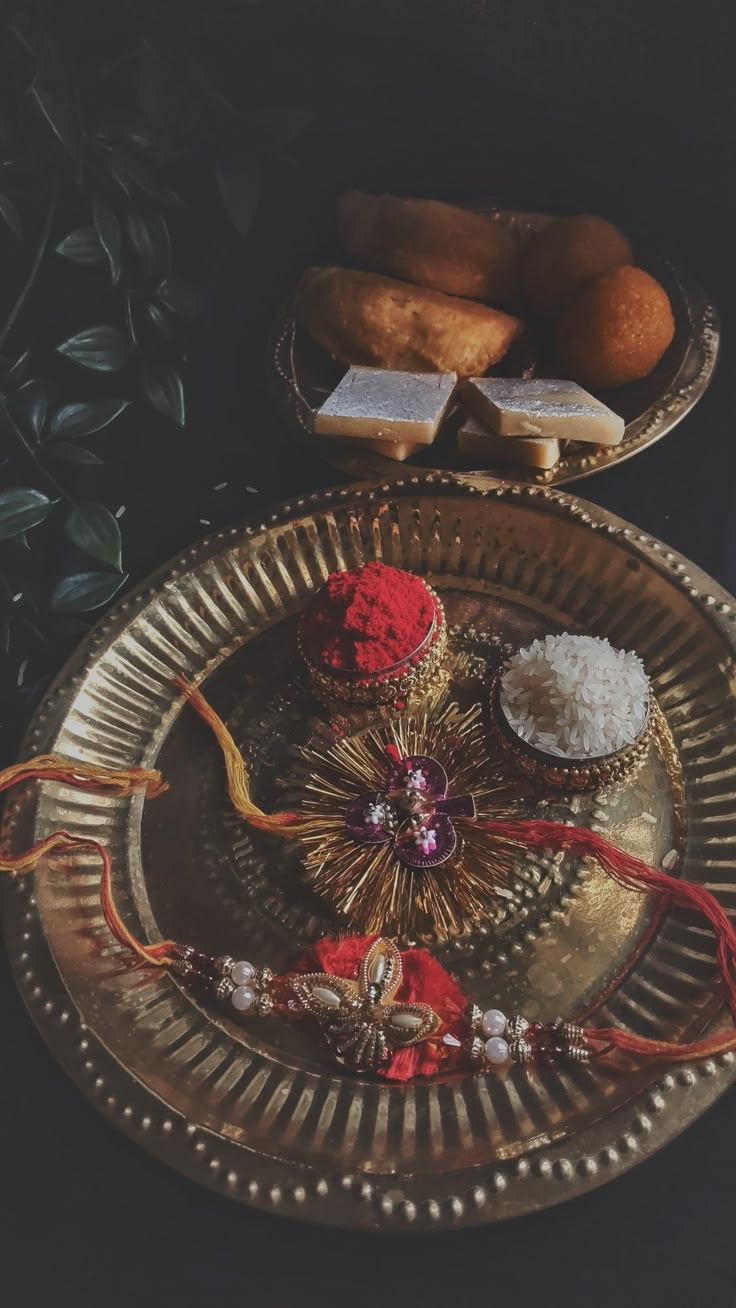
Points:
(398, 1014)
(393, 833)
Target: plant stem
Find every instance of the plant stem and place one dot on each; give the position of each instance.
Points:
(29, 450)
(40, 252)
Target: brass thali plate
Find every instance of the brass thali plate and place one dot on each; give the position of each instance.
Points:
(302, 376)
(260, 1113)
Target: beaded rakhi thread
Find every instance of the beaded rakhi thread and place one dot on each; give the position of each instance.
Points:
(398, 1014)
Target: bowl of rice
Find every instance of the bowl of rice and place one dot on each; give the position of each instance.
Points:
(573, 712)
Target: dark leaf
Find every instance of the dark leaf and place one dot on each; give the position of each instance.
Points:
(162, 385)
(18, 372)
(110, 159)
(280, 125)
(68, 453)
(153, 187)
(103, 349)
(21, 508)
(130, 317)
(179, 296)
(149, 237)
(9, 212)
(157, 320)
(93, 529)
(82, 246)
(239, 181)
(81, 419)
(27, 625)
(131, 127)
(149, 326)
(60, 120)
(21, 28)
(28, 406)
(130, 174)
(107, 227)
(85, 591)
(139, 325)
(146, 139)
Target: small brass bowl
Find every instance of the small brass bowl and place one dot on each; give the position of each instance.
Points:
(567, 774)
(391, 685)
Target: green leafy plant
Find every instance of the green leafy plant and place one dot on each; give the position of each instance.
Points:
(112, 137)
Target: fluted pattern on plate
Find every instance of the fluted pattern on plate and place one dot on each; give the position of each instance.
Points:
(527, 561)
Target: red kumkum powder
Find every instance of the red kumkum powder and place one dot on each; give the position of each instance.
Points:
(367, 619)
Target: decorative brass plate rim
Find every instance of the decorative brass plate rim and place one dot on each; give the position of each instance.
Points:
(660, 416)
(462, 1196)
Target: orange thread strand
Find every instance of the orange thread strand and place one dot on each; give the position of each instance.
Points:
(52, 767)
(159, 955)
(290, 825)
(85, 776)
(615, 1037)
(624, 868)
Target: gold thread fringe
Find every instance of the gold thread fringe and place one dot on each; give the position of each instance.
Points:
(368, 884)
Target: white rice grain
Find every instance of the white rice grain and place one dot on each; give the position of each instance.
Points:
(575, 696)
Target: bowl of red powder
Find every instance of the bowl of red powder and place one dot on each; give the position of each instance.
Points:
(372, 634)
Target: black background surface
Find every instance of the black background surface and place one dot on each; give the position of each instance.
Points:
(624, 109)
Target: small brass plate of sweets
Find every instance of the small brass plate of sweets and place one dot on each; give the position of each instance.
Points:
(256, 1107)
(487, 341)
